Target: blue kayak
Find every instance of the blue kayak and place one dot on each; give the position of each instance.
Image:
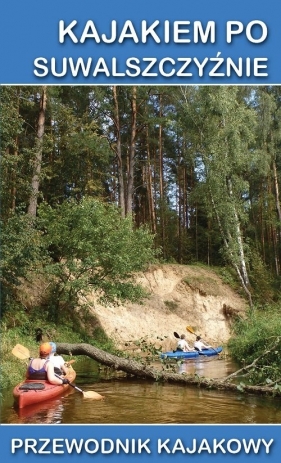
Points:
(179, 355)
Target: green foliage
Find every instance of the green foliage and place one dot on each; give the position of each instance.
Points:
(171, 305)
(224, 132)
(262, 280)
(229, 277)
(204, 285)
(206, 167)
(21, 251)
(259, 336)
(149, 353)
(94, 248)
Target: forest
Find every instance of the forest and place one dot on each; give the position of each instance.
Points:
(97, 182)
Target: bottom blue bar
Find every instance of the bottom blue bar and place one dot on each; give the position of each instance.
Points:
(155, 443)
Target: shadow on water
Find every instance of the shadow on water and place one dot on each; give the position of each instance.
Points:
(142, 402)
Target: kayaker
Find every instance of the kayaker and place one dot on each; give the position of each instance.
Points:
(200, 345)
(183, 344)
(41, 368)
(58, 361)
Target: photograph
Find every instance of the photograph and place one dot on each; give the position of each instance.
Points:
(141, 253)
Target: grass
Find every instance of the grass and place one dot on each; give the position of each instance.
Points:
(171, 305)
(206, 286)
(258, 336)
(13, 369)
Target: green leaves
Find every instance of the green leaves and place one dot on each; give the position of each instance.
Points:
(240, 387)
(22, 251)
(258, 337)
(95, 248)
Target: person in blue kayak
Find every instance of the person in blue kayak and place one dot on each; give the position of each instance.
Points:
(41, 368)
(58, 361)
(183, 345)
(200, 345)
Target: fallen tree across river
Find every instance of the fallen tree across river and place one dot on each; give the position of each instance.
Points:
(142, 370)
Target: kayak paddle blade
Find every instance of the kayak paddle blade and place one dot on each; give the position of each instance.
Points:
(21, 352)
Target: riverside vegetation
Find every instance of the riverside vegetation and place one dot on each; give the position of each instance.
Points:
(98, 183)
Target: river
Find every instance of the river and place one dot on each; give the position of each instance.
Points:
(139, 401)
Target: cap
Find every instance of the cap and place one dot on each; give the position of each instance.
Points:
(53, 346)
(45, 348)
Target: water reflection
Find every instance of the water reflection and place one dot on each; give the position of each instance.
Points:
(139, 401)
(208, 367)
(47, 412)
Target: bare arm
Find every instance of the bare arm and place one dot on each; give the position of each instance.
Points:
(52, 378)
(62, 365)
(207, 346)
(187, 347)
(64, 369)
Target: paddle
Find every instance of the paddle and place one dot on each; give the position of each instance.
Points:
(191, 330)
(87, 394)
(22, 353)
(176, 336)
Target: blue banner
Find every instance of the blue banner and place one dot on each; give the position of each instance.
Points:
(141, 443)
(149, 42)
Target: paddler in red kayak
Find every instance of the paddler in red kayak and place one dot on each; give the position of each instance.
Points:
(58, 361)
(42, 369)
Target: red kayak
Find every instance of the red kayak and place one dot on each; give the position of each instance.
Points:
(31, 392)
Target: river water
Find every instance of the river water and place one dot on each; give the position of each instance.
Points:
(139, 401)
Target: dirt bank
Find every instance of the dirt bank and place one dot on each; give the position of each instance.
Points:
(180, 295)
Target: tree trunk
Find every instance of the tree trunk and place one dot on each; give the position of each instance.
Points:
(119, 153)
(278, 208)
(132, 152)
(238, 233)
(180, 202)
(277, 197)
(226, 244)
(35, 182)
(152, 216)
(141, 370)
(161, 180)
